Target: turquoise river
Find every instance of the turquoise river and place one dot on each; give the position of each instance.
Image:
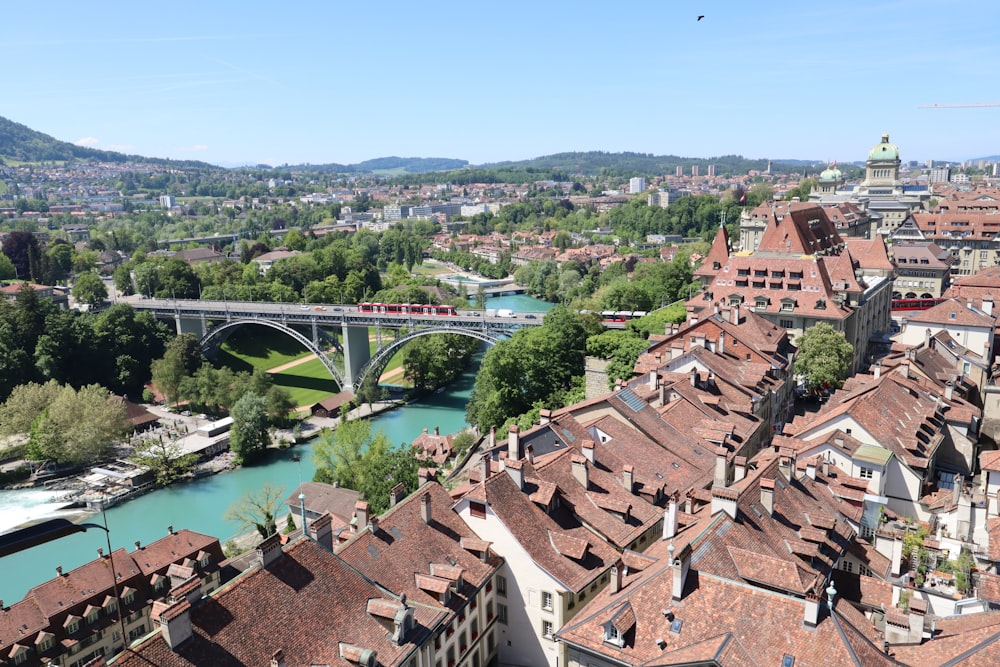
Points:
(200, 504)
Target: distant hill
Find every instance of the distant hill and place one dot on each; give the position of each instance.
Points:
(387, 165)
(21, 143)
(592, 163)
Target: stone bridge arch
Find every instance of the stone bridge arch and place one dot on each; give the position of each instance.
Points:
(210, 342)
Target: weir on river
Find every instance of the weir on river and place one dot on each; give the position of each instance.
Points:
(200, 504)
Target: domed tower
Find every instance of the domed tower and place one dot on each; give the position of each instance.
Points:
(829, 180)
(882, 169)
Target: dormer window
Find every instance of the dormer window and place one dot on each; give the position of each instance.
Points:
(760, 304)
(612, 636)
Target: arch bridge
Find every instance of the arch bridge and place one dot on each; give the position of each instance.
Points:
(339, 333)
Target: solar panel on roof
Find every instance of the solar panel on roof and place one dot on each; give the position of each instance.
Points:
(631, 400)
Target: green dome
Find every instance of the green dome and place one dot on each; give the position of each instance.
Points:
(830, 174)
(884, 151)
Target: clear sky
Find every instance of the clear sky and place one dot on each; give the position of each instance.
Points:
(333, 81)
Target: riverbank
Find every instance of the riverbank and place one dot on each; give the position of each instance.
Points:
(74, 497)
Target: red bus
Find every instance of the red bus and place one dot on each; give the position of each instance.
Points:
(406, 309)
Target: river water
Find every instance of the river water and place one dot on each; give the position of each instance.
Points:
(199, 505)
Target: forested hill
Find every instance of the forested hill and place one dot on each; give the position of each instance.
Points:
(21, 143)
(387, 166)
(600, 162)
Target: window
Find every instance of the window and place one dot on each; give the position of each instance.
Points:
(21, 656)
(611, 635)
(477, 510)
(502, 613)
(787, 306)
(489, 610)
(501, 585)
(847, 566)
(547, 629)
(867, 473)
(547, 600)
(135, 633)
(787, 324)
(45, 645)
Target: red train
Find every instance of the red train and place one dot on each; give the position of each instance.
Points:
(914, 304)
(406, 309)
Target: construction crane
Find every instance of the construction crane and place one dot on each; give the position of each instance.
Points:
(970, 105)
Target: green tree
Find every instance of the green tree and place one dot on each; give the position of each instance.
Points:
(824, 358)
(621, 349)
(257, 510)
(90, 290)
(384, 466)
(165, 457)
(339, 453)
(6, 268)
(248, 437)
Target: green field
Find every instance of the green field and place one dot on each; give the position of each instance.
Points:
(261, 347)
(308, 382)
(253, 347)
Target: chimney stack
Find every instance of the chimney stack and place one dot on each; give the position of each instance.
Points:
(493, 438)
(652, 380)
(988, 304)
(513, 468)
(721, 466)
(396, 494)
(361, 514)
(739, 468)
(628, 478)
(174, 620)
(425, 508)
(580, 472)
(812, 610)
(437, 430)
(949, 390)
(904, 368)
(617, 574)
(170, 530)
(544, 416)
(811, 468)
(694, 377)
(767, 495)
(724, 499)
(529, 453)
(269, 550)
(278, 659)
(514, 443)
(321, 530)
(670, 517)
(587, 446)
(878, 369)
(721, 347)
(681, 563)
(484, 467)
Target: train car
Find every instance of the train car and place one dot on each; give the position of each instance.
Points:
(406, 309)
(914, 304)
(619, 316)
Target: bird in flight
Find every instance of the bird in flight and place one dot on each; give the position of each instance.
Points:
(701, 17)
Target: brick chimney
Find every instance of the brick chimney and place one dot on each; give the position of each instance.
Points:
(652, 380)
(767, 495)
(694, 377)
(427, 475)
(529, 453)
(949, 390)
(514, 443)
(321, 530)
(425, 508)
(544, 416)
(628, 478)
(580, 472)
(269, 550)
(492, 442)
(587, 446)
(361, 514)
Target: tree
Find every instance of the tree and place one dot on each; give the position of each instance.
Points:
(621, 349)
(19, 247)
(181, 359)
(824, 358)
(248, 437)
(89, 289)
(7, 271)
(164, 457)
(256, 510)
(339, 454)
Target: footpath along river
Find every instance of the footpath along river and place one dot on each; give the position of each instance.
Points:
(200, 504)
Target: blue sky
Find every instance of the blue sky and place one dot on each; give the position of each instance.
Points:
(330, 81)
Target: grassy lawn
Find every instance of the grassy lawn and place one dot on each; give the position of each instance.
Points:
(307, 382)
(259, 347)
